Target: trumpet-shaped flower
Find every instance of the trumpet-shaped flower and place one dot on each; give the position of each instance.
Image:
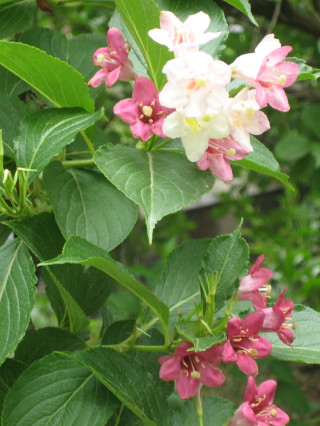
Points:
(195, 82)
(113, 60)
(254, 286)
(246, 118)
(191, 369)
(180, 36)
(143, 111)
(244, 344)
(217, 157)
(196, 132)
(266, 70)
(258, 408)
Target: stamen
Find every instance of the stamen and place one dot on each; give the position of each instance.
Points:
(147, 110)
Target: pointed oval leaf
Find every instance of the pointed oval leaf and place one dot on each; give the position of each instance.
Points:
(43, 73)
(14, 17)
(87, 205)
(57, 391)
(10, 370)
(244, 7)
(17, 280)
(160, 182)
(136, 389)
(44, 134)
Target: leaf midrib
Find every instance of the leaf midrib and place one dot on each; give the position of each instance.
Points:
(15, 254)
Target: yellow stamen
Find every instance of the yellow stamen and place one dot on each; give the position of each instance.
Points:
(147, 110)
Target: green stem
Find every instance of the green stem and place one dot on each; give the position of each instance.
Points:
(4, 206)
(198, 404)
(155, 148)
(144, 348)
(88, 142)
(78, 163)
(119, 415)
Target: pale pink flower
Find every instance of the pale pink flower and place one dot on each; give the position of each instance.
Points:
(113, 60)
(143, 111)
(278, 318)
(258, 408)
(254, 286)
(246, 118)
(266, 70)
(192, 369)
(244, 345)
(217, 157)
(181, 36)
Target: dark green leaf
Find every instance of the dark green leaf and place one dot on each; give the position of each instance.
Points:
(17, 280)
(244, 7)
(118, 331)
(292, 146)
(43, 73)
(14, 17)
(160, 182)
(55, 390)
(10, 370)
(306, 72)
(44, 134)
(262, 160)
(136, 389)
(88, 206)
(190, 329)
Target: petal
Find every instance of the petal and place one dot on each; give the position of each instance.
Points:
(290, 70)
(98, 78)
(261, 96)
(187, 386)
(253, 323)
(182, 349)
(112, 77)
(144, 90)
(285, 335)
(173, 95)
(195, 144)
(277, 98)
(174, 125)
(170, 369)
(197, 22)
(161, 37)
(276, 56)
(281, 418)
(210, 376)
(251, 390)
(262, 346)
(267, 45)
(115, 39)
(228, 354)
(157, 128)
(266, 391)
(244, 416)
(247, 364)
(127, 110)
(221, 168)
(273, 319)
(141, 130)
(233, 327)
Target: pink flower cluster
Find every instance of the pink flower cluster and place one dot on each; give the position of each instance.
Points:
(243, 345)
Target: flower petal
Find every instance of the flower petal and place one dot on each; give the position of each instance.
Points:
(170, 369)
(127, 110)
(210, 376)
(187, 386)
(247, 364)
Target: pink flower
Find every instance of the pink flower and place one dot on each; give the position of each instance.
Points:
(191, 369)
(113, 60)
(253, 286)
(217, 157)
(244, 344)
(258, 408)
(143, 111)
(181, 36)
(276, 317)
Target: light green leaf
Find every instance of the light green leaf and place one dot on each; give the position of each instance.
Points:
(43, 73)
(292, 146)
(15, 16)
(244, 7)
(189, 331)
(306, 72)
(160, 182)
(306, 345)
(87, 205)
(136, 389)
(228, 256)
(44, 134)
(262, 160)
(17, 280)
(141, 16)
(56, 391)
(79, 251)
(184, 8)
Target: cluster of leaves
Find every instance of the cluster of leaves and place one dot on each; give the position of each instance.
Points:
(64, 211)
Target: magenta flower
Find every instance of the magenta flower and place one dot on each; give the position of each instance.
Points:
(191, 369)
(258, 408)
(217, 157)
(244, 344)
(143, 111)
(113, 60)
(276, 318)
(253, 286)
(274, 75)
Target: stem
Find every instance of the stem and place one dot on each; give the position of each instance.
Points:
(88, 142)
(198, 403)
(78, 163)
(144, 348)
(119, 415)
(4, 206)
(155, 148)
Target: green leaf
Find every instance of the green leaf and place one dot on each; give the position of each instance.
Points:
(306, 345)
(244, 7)
(190, 329)
(10, 370)
(42, 236)
(136, 389)
(10, 84)
(44, 134)
(262, 160)
(292, 146)
(14, 17)
(141, 16)
(39, 343)
(17, 280)
(160, 182)
(216, 412)
(228, 256)
(11, 112)
(56, 391)
(306, 72)
(184, 8)
(118, 331)
(310, 119)
(43, 73)
(79, 251)
(88, 206)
